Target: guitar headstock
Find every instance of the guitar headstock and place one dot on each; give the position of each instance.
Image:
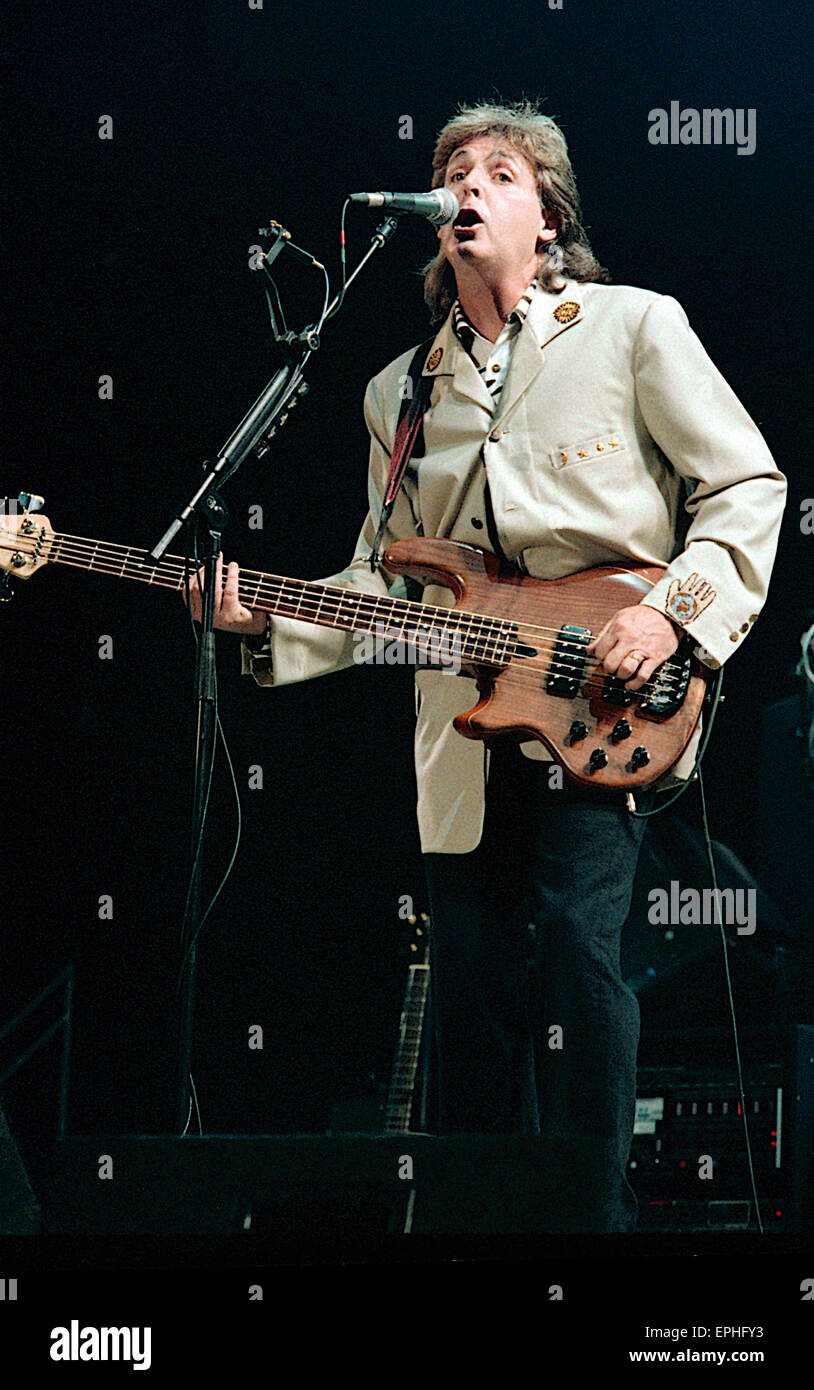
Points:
(416, 944)
(25, 538)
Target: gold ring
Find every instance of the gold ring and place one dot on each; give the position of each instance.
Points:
(638, 657)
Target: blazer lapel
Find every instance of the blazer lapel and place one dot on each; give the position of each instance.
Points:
(446, 358)
(548, 315)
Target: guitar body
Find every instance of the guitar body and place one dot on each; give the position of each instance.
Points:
(515, 702)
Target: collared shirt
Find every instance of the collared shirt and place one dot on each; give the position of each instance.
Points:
(492, 359)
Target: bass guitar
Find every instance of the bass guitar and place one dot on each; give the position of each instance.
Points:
(524, 641)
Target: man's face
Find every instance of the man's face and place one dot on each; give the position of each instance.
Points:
(501, 224)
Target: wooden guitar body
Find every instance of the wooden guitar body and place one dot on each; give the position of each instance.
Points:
(516, 701)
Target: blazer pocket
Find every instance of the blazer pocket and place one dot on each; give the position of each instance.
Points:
(595, 449)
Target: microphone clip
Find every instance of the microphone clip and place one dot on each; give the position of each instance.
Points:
(282, 242)
(298, 343)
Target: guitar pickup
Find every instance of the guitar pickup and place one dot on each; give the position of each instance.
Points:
(569, 660)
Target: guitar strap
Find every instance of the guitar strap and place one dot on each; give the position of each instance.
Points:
(411, 413)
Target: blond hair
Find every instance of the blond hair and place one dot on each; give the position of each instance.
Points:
(539, 139)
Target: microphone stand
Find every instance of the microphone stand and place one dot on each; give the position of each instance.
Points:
(208, 510)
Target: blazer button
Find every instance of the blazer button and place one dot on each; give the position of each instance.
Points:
(477, 523)
(496, 436)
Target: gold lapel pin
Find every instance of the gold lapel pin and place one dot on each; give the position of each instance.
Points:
(564, 313)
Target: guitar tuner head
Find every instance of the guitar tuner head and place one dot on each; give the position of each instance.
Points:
(29, 502)
(25, 544)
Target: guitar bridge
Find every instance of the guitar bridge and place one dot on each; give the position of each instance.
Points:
(568, 661)
(669, 687)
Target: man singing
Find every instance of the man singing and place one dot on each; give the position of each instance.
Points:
(571, 423)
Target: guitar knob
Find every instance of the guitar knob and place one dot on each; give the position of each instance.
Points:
(640, 757)
(620, 730)
(576, 731)
(597, 759)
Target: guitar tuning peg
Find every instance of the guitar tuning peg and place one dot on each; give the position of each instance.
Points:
(6, 591)
(29, 502)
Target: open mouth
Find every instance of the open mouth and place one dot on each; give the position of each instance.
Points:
(466, 223)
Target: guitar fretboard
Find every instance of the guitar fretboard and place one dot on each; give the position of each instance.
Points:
(402, 1083)
(473, 636)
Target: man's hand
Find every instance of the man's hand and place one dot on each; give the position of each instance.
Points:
(230, 614)
(634, 642)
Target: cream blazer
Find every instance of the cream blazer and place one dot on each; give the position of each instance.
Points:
(615, 438)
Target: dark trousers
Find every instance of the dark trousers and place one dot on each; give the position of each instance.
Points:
(566, 861)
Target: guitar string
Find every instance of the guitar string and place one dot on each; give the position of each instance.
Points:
(564, 666)
(177, 563)
(171, 574)
(588, 687)
(402, 1077)
(510, 674)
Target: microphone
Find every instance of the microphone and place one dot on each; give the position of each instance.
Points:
(439, 207)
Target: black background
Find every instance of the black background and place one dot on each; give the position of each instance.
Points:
(129, 257)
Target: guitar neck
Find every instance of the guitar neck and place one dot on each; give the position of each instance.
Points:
(326, 605)
(400, 1096)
